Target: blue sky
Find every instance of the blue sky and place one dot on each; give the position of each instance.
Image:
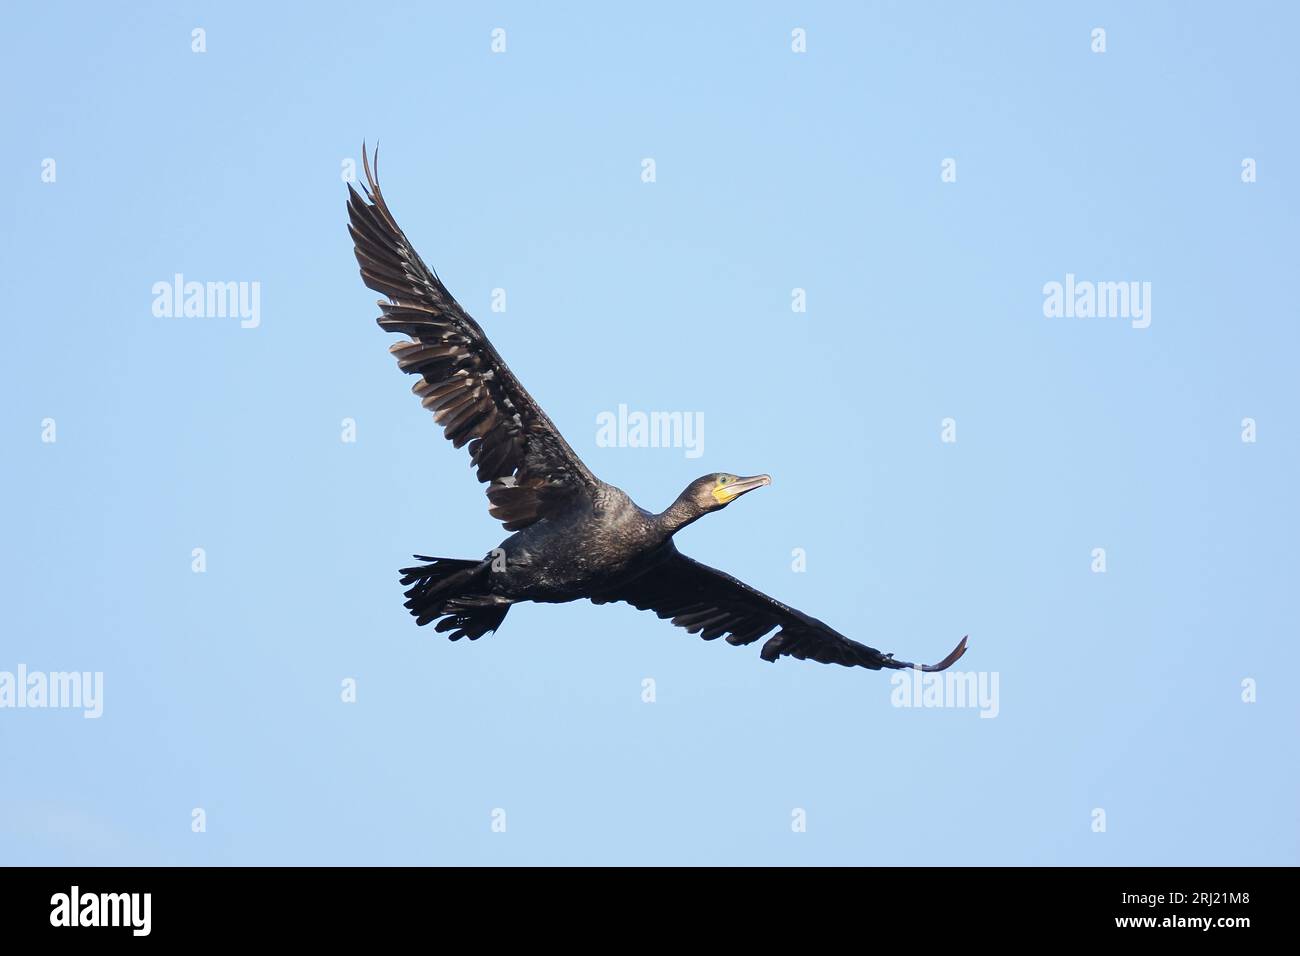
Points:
(1120, 691)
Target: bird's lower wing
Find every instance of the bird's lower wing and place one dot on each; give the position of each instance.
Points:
(713, 604)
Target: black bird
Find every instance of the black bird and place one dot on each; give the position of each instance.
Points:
(574, 535)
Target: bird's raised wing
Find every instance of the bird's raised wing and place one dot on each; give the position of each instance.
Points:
(531, 470)
(711, 603)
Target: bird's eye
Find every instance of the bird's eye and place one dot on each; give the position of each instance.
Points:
(723, 480)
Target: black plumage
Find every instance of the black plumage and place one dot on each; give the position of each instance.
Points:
(574, 536)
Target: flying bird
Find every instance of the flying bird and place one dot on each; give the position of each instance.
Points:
(573, 535)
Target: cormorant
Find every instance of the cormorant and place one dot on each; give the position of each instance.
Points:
(574, 535)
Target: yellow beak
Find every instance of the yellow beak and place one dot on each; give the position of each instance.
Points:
(725, 494)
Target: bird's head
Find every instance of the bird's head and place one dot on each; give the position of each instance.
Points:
(711, 492)
(707, 493)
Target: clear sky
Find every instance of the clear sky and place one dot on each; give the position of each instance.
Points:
(1119, 691)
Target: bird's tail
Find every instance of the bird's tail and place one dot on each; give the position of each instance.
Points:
(455, 591)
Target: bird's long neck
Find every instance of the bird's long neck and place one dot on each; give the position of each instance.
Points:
(678, 515)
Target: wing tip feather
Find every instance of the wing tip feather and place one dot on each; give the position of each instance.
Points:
(953, 657)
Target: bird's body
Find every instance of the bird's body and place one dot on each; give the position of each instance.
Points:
(575, 553)
(574, 536)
